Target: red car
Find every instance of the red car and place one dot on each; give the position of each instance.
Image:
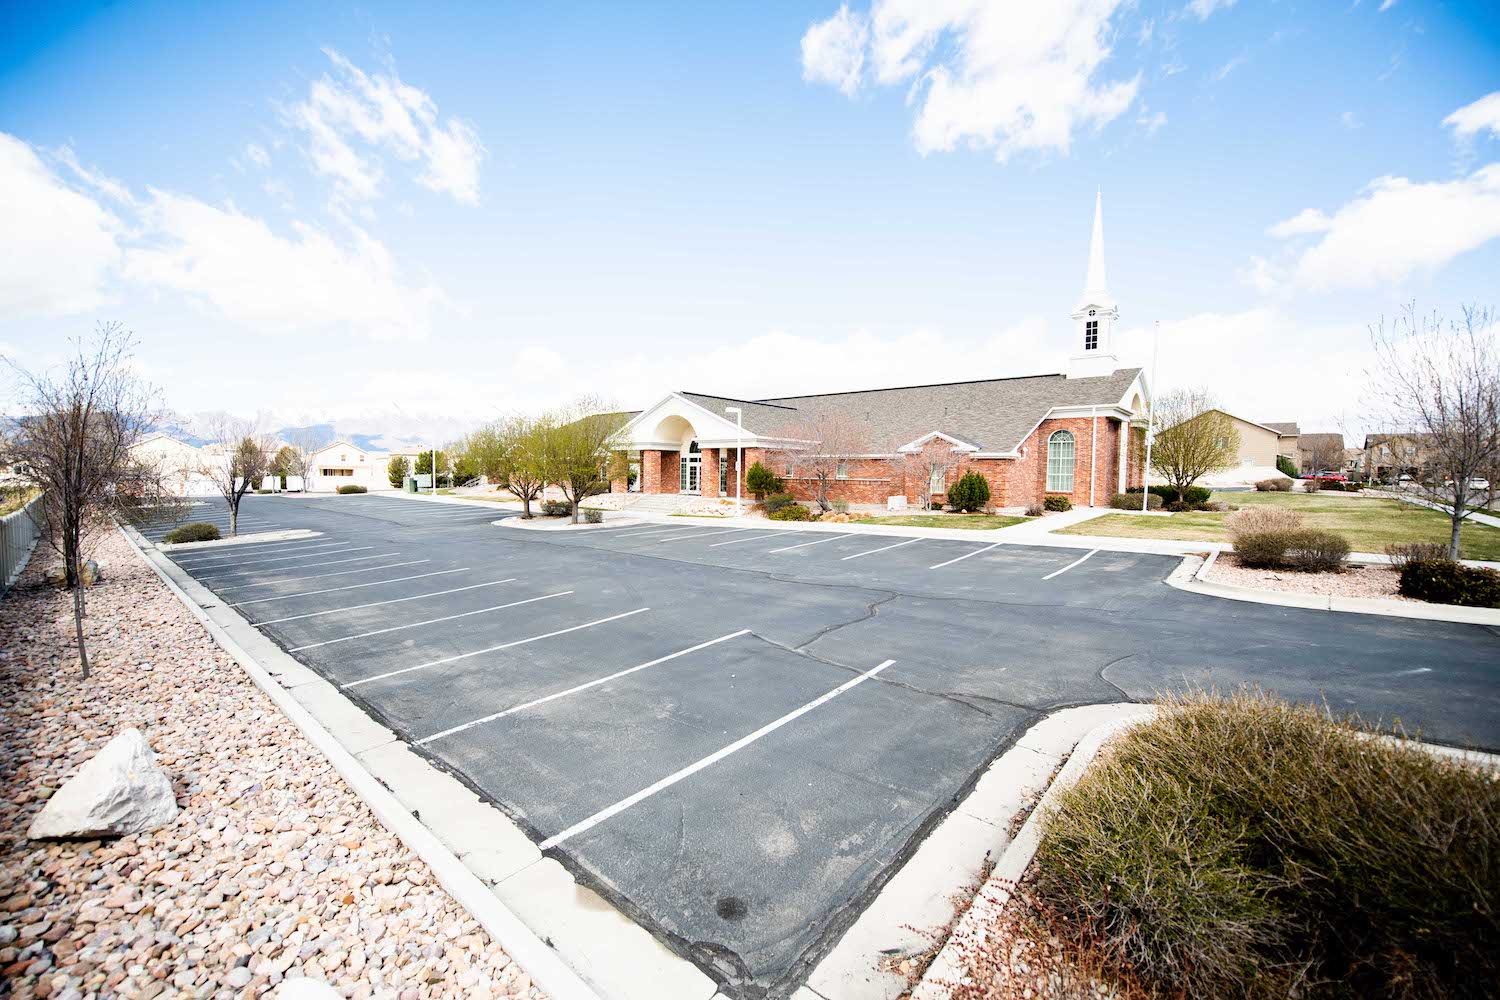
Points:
(1327, 477)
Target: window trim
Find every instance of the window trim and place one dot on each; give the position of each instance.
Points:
(841, 470)
(1061, 437)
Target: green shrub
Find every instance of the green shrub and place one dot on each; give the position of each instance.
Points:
(1167, 493)
(1194, 496)
(793, 512)
(593, 515)
(1316, 551)
(193, 531)
(760, 480)
(352, 489)
(556, 508)
(779, 501)
(1246, 847)
(264, 492)
(1132, 501)
(1444, 582)
(1057, 503)
(1263, 549)
(970, 493)
(1286, 467)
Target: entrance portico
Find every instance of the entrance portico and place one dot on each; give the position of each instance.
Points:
(685, 447)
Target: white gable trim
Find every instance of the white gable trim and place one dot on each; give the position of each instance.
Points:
(713, 429)
(958, 445)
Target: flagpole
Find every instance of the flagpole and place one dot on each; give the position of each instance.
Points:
(1150, 420)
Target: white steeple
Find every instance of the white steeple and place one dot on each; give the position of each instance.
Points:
(1093, 349)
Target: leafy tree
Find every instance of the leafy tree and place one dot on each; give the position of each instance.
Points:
(1286, 467)
(424, 462)
(517, 457)
(577, 452)
(1198, 438)
(760, 480)
(397, 470)
(237, 460)
(284, 465)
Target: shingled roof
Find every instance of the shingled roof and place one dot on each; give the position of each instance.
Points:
(994, 414)
(1284, 429)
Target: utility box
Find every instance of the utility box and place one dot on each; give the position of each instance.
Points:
(409, 484)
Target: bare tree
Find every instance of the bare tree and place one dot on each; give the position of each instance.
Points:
(818, 446)
(1197, 438)
(577, 450)
(1325, 452)
(235, 462)
(926, 465)
(75, 441)
(1436, 385)
(306, 443)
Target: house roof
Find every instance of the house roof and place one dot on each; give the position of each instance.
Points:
(1284, 429)
(765, 418)
(994, 414)
(1313, 441)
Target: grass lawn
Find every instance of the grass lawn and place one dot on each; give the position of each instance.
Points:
(1368, 523)
(13, 500)
(979, 522)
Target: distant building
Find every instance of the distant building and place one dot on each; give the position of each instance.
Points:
(1287, 436)
(182, 464)
(343, 464)
(1322, 452)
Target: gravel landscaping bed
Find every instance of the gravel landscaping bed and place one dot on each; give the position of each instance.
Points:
(273, 869)
(1356, 581)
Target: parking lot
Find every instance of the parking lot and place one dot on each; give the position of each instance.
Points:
(735, 733)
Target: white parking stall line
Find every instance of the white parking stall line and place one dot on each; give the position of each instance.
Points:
(376, 604)
(320, 576)
(711, 759)
(383, 555)
(352, 586)
(771, 533)
(218, 555)
(314, 556)
(260, 548)
(429, 621)
(492, 649)
(657, 531)
(803, 545)
(966, 555)
(883, 548)
(703, 534)
(580, 687)
(1069, 566)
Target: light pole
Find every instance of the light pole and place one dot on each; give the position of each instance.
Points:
(739, 460)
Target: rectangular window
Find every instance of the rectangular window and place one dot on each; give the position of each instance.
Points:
(1091, 335)
(939, 480)
(841, 471)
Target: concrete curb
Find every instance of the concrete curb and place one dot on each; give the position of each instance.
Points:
(541, 963)
(1190, 577)
(920, 895)
(947, 970)
(289, 535)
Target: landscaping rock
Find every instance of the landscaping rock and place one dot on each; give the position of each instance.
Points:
(119, 791)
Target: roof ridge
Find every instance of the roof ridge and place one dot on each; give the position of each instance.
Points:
(939, 385)
(734, 399)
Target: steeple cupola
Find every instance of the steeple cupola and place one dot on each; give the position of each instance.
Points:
(1096, 312)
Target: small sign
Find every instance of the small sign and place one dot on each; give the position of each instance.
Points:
(895, 503)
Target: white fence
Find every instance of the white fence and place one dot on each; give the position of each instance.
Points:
(18, 536)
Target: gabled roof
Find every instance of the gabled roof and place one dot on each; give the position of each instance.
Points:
(1284, 429)
(995, 415)
(1311, 441)
(765, 418)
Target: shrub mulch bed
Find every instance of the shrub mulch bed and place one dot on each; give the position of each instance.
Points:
(273, 869)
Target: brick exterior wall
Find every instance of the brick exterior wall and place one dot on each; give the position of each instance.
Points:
(708, 473)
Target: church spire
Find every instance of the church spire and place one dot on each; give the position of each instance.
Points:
(1096, 290)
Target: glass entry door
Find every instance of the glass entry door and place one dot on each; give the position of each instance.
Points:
(690, 470)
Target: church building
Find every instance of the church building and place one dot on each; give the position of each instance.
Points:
(1077, 433)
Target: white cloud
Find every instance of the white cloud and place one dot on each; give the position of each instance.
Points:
(1395, 228)
(1153, 120)
(1204, 9)
(1223, 71)
(1471, 119)
(58, 244)
(1386, 5)
(1012, 75)
(382, 115)
(65, 253)
(256, 154)
(1309, 220)
(833, 51)
(1350, 120)
(235, 265)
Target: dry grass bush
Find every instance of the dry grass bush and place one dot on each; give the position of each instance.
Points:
(1262, 519)
(1245, 847)
(1402, 553)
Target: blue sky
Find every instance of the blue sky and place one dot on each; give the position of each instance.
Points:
(378, 214)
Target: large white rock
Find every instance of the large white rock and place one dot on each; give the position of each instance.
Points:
(120, 791)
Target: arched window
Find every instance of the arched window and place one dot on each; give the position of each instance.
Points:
(1060, 462)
